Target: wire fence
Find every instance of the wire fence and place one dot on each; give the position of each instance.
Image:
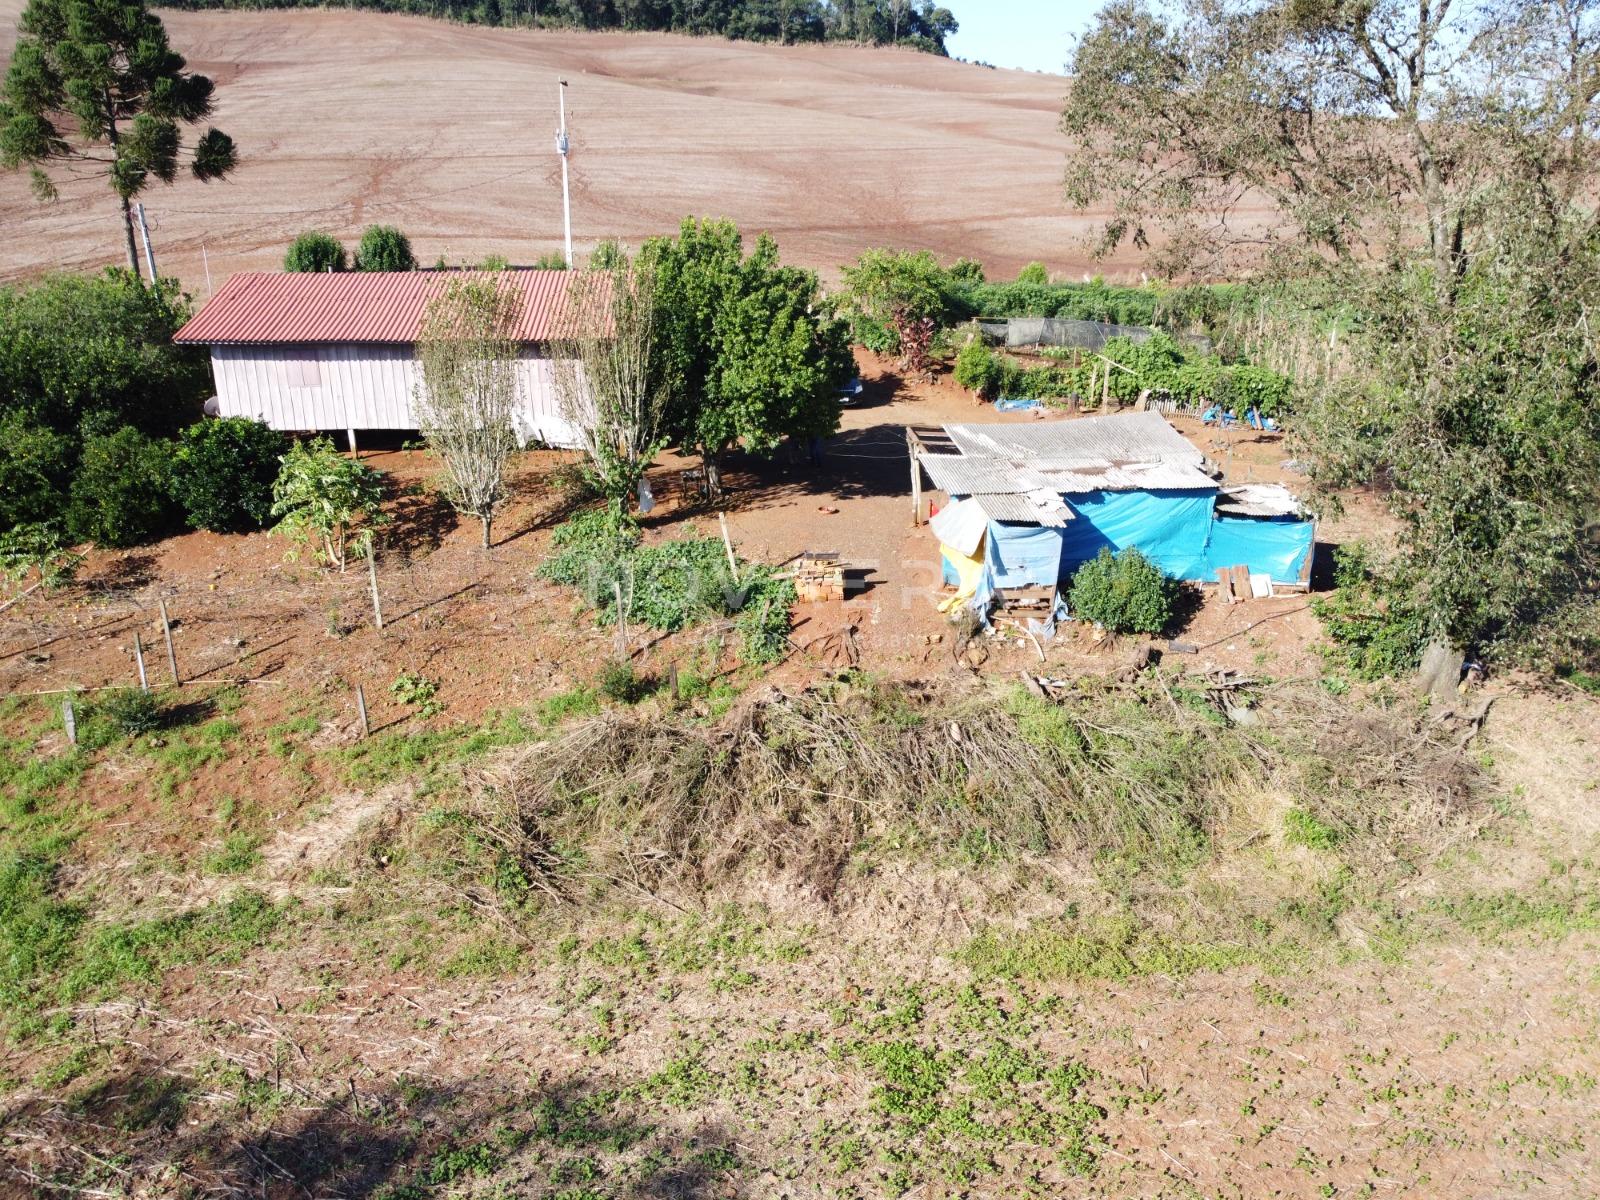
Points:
(98, 634)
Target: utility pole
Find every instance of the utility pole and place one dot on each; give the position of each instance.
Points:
(562, 147)
(144, 234)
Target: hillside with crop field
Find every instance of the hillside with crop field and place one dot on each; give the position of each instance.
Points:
(347, 118)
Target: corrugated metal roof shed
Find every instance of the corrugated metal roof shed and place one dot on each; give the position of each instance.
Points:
(1136, 437)
(381, 307)
(1124, 452)
(1018, 508)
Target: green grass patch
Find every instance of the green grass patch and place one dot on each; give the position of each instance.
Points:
(240, 852)
(1104, 948)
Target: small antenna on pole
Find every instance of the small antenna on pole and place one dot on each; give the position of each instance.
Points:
(563, 145)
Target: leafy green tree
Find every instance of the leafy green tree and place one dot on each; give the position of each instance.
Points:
(1433, 167)
(314, 252)
(902, 289)
(121, 492)
(778, 367)
(94, 84)
(1481, 415)
(223, 471)
(384, 248)
(87, 354)
(327, 501)
(748, 355)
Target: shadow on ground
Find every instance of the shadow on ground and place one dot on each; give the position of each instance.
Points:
(145, 1129)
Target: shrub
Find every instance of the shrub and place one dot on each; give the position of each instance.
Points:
(619, 682)
(1245, 387)
(553, 261)
(419, 692)
(977, 368)
(966, 270)
(608, 256)
(384, 248)
(669, 585)
(1035, 273)
(223, 471)
(35, 472)
(1127, 593)
(121, 495)
(314, 252)
(1375, 628)
(133, 712)
(763, 621)
(320, 497)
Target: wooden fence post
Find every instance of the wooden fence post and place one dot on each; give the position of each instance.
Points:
(138, 657)
(372, 580)
(727, 544)
(622, 621)
(361, 707)
(166, 631)
(70, 721)
(672, 678)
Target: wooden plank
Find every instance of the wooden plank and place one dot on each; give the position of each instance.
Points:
(1241, 582)
(1225, 584)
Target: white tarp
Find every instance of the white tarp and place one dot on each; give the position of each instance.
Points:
(961, 526)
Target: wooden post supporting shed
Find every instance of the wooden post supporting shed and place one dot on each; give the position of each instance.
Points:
(922, 440)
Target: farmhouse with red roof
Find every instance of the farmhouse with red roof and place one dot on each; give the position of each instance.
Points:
(336, 351)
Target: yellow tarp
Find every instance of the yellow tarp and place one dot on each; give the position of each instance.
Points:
(968, 572)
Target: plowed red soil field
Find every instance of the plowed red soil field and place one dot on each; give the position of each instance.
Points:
(344, 118)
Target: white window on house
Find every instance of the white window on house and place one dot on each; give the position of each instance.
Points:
(302, 368)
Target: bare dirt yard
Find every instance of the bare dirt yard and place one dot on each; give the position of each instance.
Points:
(345, 118)
(501, 947)
(494, 635)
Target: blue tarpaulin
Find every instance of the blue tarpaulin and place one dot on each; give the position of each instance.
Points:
(1177, 530)
(1271, 546)
(1169, 528)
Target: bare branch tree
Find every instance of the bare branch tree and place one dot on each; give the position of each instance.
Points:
(608, 379)
(467, 391)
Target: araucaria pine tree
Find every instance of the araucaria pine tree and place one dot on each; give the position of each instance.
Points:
(96, 82)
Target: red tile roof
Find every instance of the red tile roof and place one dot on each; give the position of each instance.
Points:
(359, 306)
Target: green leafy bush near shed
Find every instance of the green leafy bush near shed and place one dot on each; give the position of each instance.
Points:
(1127, 593)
